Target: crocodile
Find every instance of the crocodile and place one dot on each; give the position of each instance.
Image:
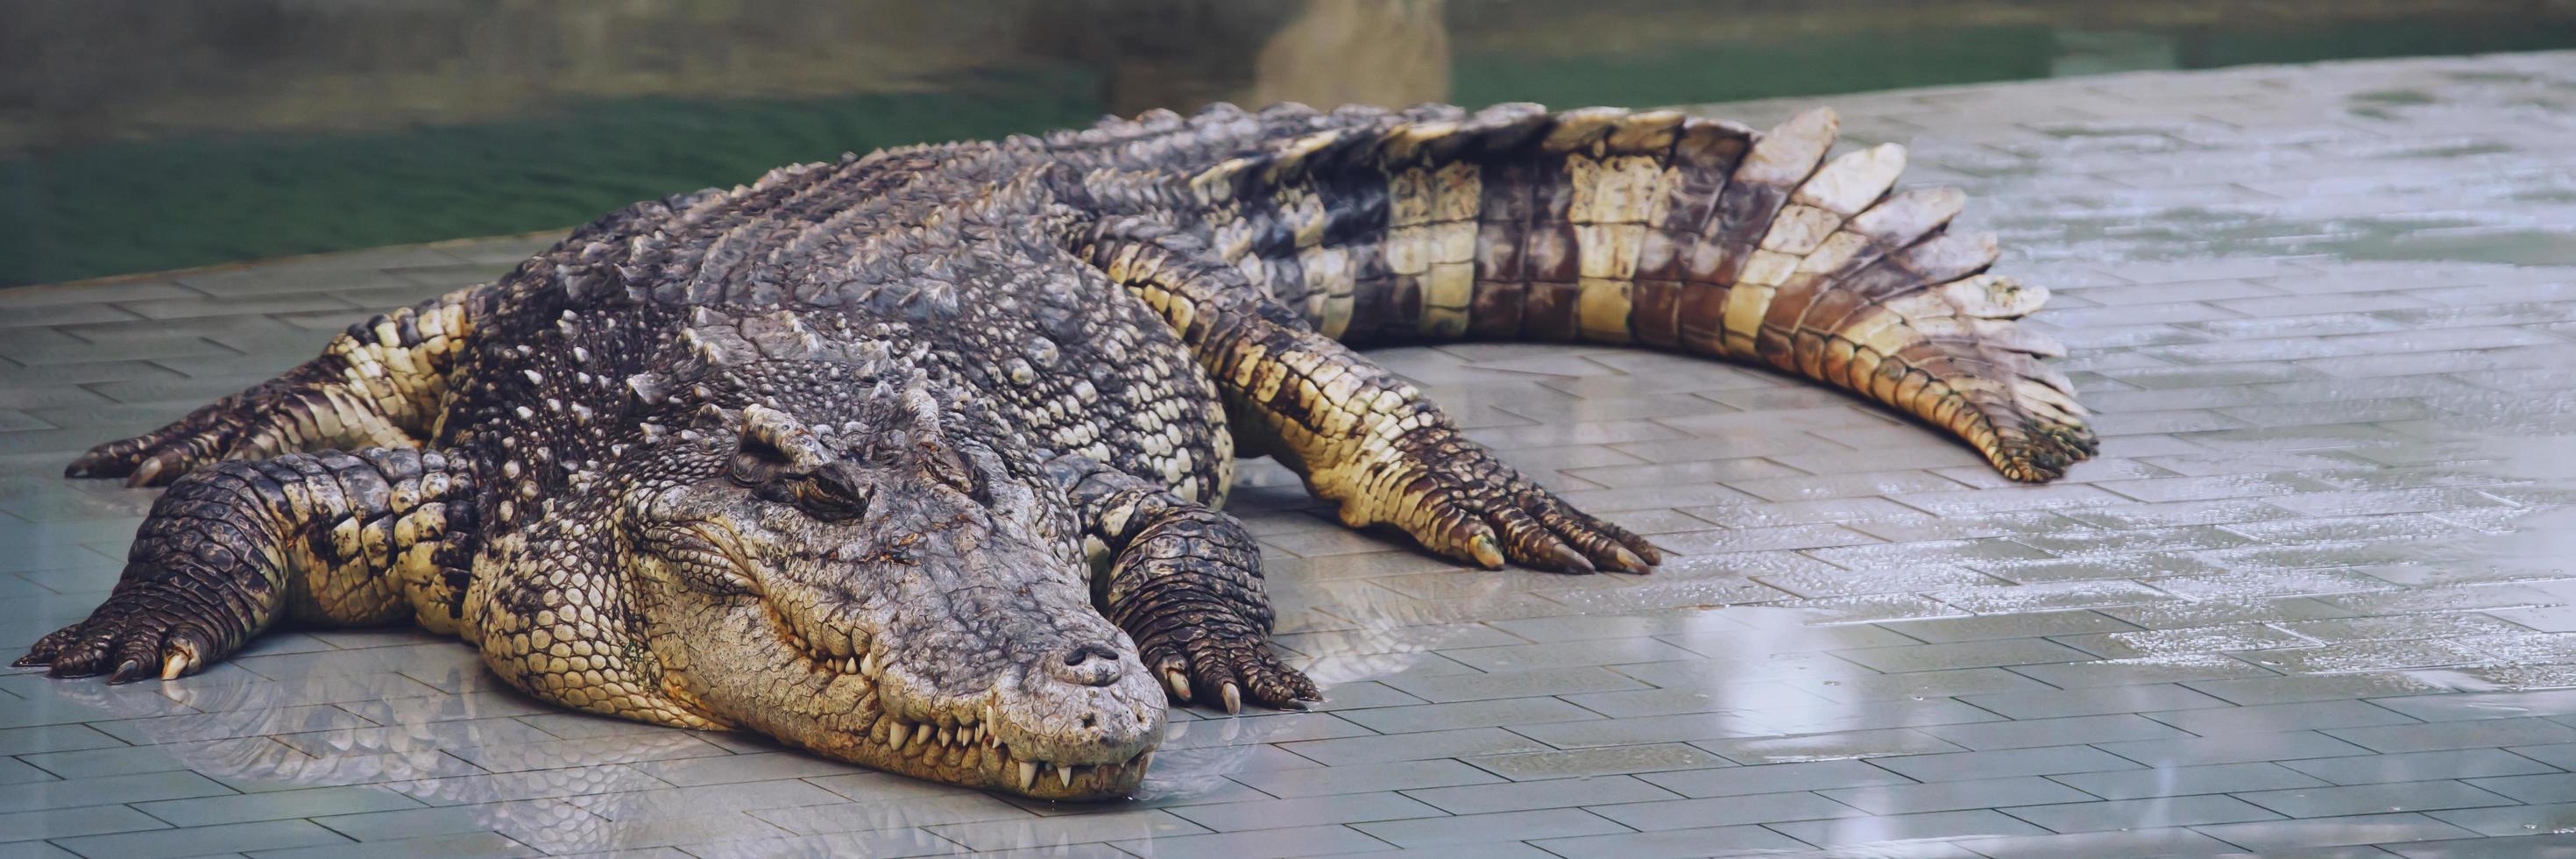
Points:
(916, 459)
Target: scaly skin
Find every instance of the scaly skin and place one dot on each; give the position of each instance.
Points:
(913, 460)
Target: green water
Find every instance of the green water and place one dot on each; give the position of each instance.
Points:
(99, 184)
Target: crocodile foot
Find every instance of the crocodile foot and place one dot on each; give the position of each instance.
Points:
(1221, 661)
(138, 633)
(158, 457)
(1459, 499)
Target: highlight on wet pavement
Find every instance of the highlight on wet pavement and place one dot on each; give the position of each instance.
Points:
(2313, 596)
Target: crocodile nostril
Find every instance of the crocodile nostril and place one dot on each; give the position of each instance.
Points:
(1087, 665)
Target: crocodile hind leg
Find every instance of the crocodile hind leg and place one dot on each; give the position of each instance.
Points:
(1358, 434)
(1185, 581)
(377, 385)
(332, 537)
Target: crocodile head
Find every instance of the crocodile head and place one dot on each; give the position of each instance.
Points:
(879, 574)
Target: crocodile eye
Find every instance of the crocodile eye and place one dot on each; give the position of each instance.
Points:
(832, 493)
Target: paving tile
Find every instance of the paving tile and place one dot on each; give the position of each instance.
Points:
(2276, 835)
(1258, 844)
(108, 790)
(1724, 811)
(2513, 820)
(465, 845)
(1612, 760)
(200, 840)
(1853, 831)
(2313, 687)
(2234, 748)
(2098, 845)
(2004, 762)
(278, 805)
(2500, 705)
(2071, 730)
(73, 822)
(1971, 654)
(1773, 778)
(2373, 798)
(2480, 764)
(1324, 810)
(2482, 733)
(1468, 714)
(1449, 688)
(1362, 778)
(2272, 718)
(411, 823)
(1955, 795)
(1487, 828)
(1675, 844)
(1414, 747)
(2144, 670)
(1522, 796)
(1811, 748)
(2093, 702)
(2147, 813)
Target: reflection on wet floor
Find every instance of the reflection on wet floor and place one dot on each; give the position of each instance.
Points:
(2316, 593)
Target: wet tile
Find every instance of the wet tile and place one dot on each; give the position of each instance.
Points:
(200, 840)
(2374, 798)
(108, 790)
(279, 805)
(1414, 747)
(1724, 811)
(2327, 831)
(2488, 766)
(2482, 733)
(1598, 762)
(1773, 778)
(2166, 781)
(1487, 828)
(2267, 718)
(1675, 844)
(1319, 810)
(2098, 845)
(1955, 795)
(1361, 778)
(2237, 748)
(2071, 730)
(1257, 844)
(2093, 702)
(1853, 831)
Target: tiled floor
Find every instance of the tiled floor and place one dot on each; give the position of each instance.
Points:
(2315, 600)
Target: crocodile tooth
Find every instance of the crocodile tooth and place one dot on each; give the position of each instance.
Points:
(1064, 774)
(988, 714)
(947, 736)
(895, 734)
(1028, 774)
(921, 733)
(868, 666)
(1144, 759)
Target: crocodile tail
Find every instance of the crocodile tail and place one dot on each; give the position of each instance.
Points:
(1662, 230)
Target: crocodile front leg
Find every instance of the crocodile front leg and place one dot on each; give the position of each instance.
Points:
(332, 537)
(1185, 581)
(1360, 435)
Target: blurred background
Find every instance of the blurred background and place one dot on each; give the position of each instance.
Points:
(142, 136)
